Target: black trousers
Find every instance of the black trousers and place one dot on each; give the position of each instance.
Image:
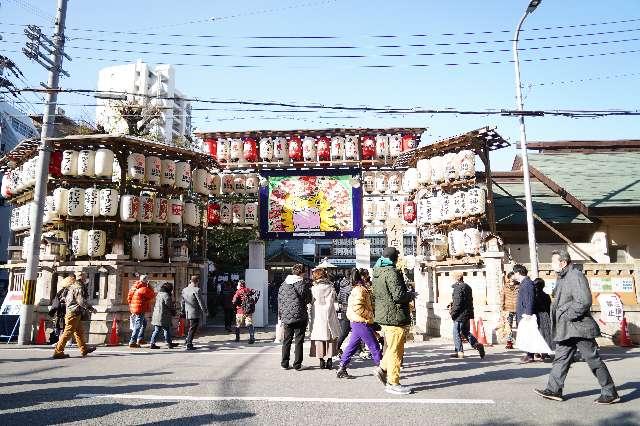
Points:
(564, 358)
(345, 329)
(229, 317)
(193, 327)
(296, 329)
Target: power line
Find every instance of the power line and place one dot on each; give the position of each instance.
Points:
(584, 80)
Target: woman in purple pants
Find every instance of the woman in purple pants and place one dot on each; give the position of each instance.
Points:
(360, 313)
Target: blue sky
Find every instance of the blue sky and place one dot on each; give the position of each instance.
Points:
(355, 24)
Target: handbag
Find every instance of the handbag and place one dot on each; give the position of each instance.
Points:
(529, 339)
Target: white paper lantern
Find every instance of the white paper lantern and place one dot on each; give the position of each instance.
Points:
(183, 175)
(382, 210)
(156, 246)
(280, 149)
(79, 242)
(472, 241)
(369, 182)
(140, 247)
(424, 211)
(8, 186)
(104, 163)
(96, 243)
(309, 149)
(237, 214)
(466, 162)
(381, 182)
(108, 202)
(168, 176)
(424, 171)
(191, 215)
(145, 213)
(19, 181)
(450, 166)
(136, 166)
(251, 214)
(410, 180)
(475, 201)
(176, 209)
(351, 147)
(436, 209)
(394, 183)
(236, 150)
(160, 210)
(239, 183)
(252, 183)
(69, 164)
(200, 177)
(86, 163)
(222, 150)
(29, 171)
(456, 243)
(60, 201)
(153, 170)
(437, 169)
(91, 202)
(75, 206)
(266, 149)
(382, 146)
(395, 208)
(395, 145)
(129, 208)
(337, 148)
(227, 183)
(49, 212)
(226, 214)
(369, 208)
(458, 204)
(116, 176)
(215, 184)
(446, 208)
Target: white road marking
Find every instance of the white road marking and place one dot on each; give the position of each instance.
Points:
(151, 351)
(283, 399)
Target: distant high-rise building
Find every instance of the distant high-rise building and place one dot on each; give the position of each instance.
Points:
(144, 85)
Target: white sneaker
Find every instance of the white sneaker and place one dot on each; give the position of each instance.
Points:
(397, 389)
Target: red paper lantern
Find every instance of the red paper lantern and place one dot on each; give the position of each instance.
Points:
(409, 211)
(295, 149)
(213, 214)
(324, 149)
(250, 150)
(368, 148)
(211, 145)
(55, 163)
(409, 142)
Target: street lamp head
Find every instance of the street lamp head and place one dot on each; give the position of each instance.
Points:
(533, 5)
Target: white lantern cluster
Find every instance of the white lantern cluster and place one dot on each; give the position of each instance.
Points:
(239, 213)
(235, 183)
(19, 179)
(391, 183)
(445, 207)
(22, 216)
(145, 246)
(446, 168)
(465, 242)
(88, 163)
(382, 208)
(91, 243)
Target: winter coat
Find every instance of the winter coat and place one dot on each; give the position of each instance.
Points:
(192, 306)
(240, 294)
(462, 302)
(571, 308)
(542, 302)
(163, 310)
(76, 299)
(58, 307)
(324, 325)
(343, 295)
(510, 296)
(526, 299)
(293, 298)
(391, 295)
(139, 298)
(360, 305)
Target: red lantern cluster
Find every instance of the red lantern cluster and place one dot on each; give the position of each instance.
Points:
(368, 148)
(55, 164)
(409, 211)
(213, 213)
(250, 150)
(211, 145)
(324, 149)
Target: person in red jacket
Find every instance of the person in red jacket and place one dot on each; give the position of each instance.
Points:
(139, 298)
(245, 301)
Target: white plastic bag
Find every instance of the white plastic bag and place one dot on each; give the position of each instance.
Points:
(279, 333)
(529, 339)
(132, 322)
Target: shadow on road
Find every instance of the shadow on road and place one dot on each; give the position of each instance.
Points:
(59, 380)
(207, 419)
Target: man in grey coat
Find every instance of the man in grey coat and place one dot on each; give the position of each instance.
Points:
(574, 329)
(192, 308)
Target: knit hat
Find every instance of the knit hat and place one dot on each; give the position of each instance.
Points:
(391, 253)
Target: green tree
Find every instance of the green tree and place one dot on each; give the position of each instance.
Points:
(228, 248)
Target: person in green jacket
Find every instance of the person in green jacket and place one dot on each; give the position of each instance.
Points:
(392, 298)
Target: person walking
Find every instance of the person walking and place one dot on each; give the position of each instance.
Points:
(245, 300)
(77, 305)
(293, 298)
(228, 291)
(161, 319)
(323, 326)
(58, 309)
(360, 313)
(543, 311)
(461, 311)
(509, 298)
(526, 301)
(574, 329)
(343, 302)
(193, 309)
(139, 298)
(391, 311)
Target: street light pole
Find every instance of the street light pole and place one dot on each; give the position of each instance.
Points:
(533, 255)
(27, 310)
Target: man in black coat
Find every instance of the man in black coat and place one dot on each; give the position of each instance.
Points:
(526, 300)
(293, 297)
(573, 329)
(461, 312)
(343, 301)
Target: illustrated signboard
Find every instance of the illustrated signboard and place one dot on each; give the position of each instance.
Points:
(312, 204)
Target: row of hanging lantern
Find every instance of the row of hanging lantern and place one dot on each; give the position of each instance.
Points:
(308, 148)
(232, 213)
(446, 168)
(147, 246)
(386, 182)
(465, 242)
(445, 207)
(380, 209)
(86, 242)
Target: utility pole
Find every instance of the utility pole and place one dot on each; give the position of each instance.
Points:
(55, 49)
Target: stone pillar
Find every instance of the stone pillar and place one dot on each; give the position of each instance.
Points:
(423, 299)
(494, 278)
(257, 279)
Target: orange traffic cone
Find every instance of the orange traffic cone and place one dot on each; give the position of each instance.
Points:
(482, 338)
(474, 331)
(41, 338)
(180, 332)
(625, 339)
(113, 336)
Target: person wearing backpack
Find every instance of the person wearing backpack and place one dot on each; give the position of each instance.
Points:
(245, 300)
(58, 309)
(293, 298)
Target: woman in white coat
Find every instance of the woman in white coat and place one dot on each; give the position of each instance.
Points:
(324, 324)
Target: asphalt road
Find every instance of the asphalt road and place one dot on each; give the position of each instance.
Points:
(237, 383)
